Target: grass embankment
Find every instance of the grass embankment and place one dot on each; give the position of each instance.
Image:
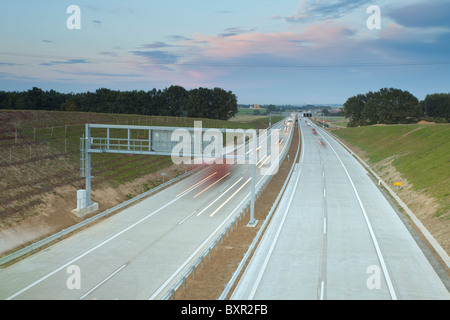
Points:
(40, 156)
(420, 153)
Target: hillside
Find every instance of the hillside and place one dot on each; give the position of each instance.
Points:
(419, 157)
(40, 169)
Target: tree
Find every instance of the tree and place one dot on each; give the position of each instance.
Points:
(3, 100)
(225, 104)
(199, 103)
(437, 106)
(35, 99)
(174, 101)
(387, 106)
(396, 106)
(353, 110)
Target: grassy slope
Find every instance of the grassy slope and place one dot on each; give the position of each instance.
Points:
(35, 158)
(422, 155)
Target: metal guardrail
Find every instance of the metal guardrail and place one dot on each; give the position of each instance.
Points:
(437, 247)
(247, 255)
(62, 233)
(207, 252)
(191, 269)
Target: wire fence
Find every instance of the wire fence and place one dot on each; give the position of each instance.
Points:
(191, 269)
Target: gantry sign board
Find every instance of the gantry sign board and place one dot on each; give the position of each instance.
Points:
(166, 141)
(195, 145)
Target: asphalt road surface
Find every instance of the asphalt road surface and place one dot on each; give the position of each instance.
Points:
(335, 236)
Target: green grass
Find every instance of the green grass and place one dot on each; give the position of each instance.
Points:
(40, 151)
(422, 155)
(248, 111)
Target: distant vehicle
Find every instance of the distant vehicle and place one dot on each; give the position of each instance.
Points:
(314, 131)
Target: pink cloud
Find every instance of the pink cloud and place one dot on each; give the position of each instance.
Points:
(274, 43)
(393, 31)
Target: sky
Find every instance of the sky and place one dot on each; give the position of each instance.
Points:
(266, 52)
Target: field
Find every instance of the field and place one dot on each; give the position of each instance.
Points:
(417, 156)
(335, 121)
(40, 168)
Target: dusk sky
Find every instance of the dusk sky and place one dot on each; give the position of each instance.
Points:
(267, 52)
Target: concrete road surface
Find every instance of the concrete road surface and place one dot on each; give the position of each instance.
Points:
(335, 236)
(139, 252)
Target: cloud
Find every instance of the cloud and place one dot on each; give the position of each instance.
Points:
(229, 32)
(158, 56)
(156, 45)
(177, 37)
(315, 10)
(10, 64)
(102, 74)
(422, 15)
(108, 53)
(296, 18)
(11, 76)
(280, 44)
(70, 61)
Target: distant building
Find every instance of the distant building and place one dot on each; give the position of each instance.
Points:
(255, 106)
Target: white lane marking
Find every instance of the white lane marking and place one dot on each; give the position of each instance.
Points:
(195, 185)
(211, 185)
(324, 225)
(369, 226)
(226, 201)
(322, 286)
(264, 162)
(269, 254)
(219, 197)
(94, 248)
(179, 223)
(110, 239)
(167, 282)
(102, 282)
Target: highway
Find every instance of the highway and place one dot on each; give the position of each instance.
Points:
(334, 236)
(139, 252)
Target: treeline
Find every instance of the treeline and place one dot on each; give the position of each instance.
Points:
(173, 101)
(394, 106)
